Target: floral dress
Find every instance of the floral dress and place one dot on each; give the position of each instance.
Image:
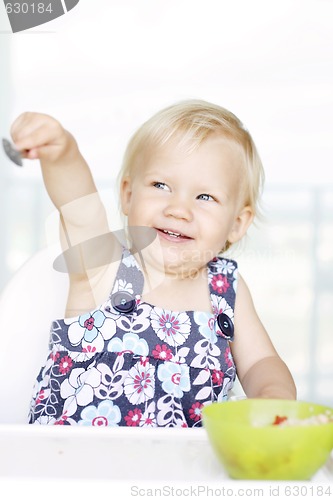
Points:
(129, 363)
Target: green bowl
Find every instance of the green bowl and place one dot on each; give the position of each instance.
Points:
(250, 447)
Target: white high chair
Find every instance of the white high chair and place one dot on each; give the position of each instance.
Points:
(31, 300)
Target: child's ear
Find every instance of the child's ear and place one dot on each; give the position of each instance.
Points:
(125, 194)
(241, 224)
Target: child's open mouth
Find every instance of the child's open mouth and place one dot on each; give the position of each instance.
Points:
(172, 235)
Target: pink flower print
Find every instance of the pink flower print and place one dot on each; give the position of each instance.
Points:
(172, 328)
(148, 420)
(62, 419)
(54, 356)
(89, 349)
(228, 357)
(217, 377)
(89, 323)
(144, 360)
(175, 379)
(142, 381)
(65, 365)
(220, 283)
(195, 411)
(139, 385)
(162, 352)
(169, 324)
(133, 417)
(100, 421)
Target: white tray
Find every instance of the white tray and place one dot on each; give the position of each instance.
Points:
(120, 453)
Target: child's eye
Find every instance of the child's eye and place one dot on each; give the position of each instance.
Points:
(160, 185)
(205, 197)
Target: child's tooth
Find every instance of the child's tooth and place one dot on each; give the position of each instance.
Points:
(171, 233)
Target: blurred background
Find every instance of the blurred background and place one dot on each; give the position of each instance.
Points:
(107, 65)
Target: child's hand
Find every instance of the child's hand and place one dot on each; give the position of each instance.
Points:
(39, 136)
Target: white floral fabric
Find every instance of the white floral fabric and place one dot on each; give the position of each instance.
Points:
(147, 367)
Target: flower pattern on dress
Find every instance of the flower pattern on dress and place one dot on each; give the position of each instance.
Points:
(129, 260)
(123, 286)
(150, 367)
(137, 323)
(220, 283)
(195, 411)
(105, 414)
(228, 357)
(227, 266)
(217, 377)
(148, 418)
(131, 342)
(45, 420)
(206, 326)
(162, 352)
(65, 364)
(208, 355)
(221, 306)
(227, 386)
(140, 384)
(78, 389)
(175, 378)
(91, 329)
(133, 417)
(171, 327)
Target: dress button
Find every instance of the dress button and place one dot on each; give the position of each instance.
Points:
(226, 325)
(123, 302)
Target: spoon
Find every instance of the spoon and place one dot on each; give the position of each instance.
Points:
(12, 153)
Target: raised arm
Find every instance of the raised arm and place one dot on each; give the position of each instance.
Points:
(70, 185)
(261, 371)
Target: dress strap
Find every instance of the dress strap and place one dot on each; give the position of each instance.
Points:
(129, 277)
(222, 279)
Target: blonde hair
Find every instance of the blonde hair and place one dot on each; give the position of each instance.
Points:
(195, 120)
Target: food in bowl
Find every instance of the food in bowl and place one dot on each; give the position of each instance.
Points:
(250, 446)
(322, 418)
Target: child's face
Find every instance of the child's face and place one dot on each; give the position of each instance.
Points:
(194, 201)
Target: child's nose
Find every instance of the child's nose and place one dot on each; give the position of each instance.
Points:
(179, 208)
